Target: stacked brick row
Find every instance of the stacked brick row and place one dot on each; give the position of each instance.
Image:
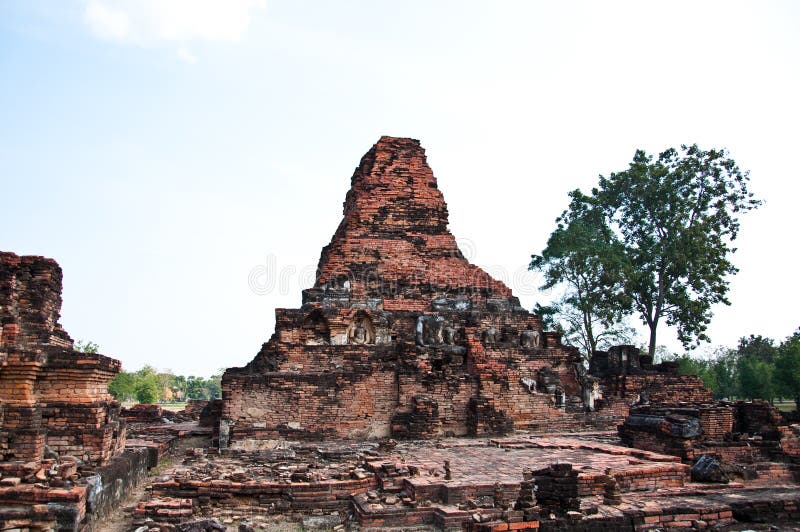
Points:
(657, 388)
(558, 487)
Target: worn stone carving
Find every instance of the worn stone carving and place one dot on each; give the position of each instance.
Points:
(530, 339)
(361, 330)
(491, 336)
(449, 335)
(529, 383)
(430, 330)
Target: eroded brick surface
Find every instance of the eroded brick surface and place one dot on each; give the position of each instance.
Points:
(50, 394)
(58, 423)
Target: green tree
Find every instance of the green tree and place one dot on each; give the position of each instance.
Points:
(196, 387)
(86, 346)
(587, 331)
(758, 347)
(165, 380)
(724, 368)
(677, 217)
(688, 365)
(755, 378)
(585, 255)
(787, 368)
(178, 385)
(146, 390)
(755, 357)
(122, 386)
(549, 315)
(146, 371)
(214, 385)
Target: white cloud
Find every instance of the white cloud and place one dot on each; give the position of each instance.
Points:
(144, 22)
(184, 54)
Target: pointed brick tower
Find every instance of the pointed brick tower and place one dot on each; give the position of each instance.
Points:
(400, 334)
(393, 243)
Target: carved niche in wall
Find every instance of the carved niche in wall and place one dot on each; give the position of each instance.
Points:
(530, 339)
(315, 329)
(361, 330)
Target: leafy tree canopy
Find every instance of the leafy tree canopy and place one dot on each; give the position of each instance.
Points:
(677, 216)
(586, 256)
(86, 346)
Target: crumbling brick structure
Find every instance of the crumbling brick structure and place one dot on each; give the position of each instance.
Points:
(400, 334)
(58, 423)
(628, 378)
(50, 394)
(666, 412)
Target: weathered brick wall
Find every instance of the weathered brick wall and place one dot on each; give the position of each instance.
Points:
(310, 405)
(717, 421)
(790, 440)
(49, 393)
(757, 417)
(452, 394)
(194, 407)
(657, 388)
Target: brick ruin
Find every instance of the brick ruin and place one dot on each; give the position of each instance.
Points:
(400, 335)
(50, 394)
(60, 429)
(410, 390)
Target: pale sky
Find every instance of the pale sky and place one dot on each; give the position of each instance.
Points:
(163, 150)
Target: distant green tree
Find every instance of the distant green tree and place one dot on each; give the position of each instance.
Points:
(146, 370)
(724, 368)
(86, 346)
(165, 379)
(214, 385)
(178, 385)
(576, 327)
(122, 387)
(787, 368)
(699, 368)
(755, 369)
(146, 391)
(758, 347)
(549, 315)
(196, 387)
(755, 378)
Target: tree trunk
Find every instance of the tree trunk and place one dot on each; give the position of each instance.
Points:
(797, 404)
(651, 350)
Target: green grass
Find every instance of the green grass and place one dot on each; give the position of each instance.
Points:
(174, 407)
(786, 406)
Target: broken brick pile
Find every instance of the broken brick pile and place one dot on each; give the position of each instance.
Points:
(194, 407)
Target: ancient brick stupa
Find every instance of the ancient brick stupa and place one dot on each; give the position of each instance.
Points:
(50, 394)
(400, 334)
